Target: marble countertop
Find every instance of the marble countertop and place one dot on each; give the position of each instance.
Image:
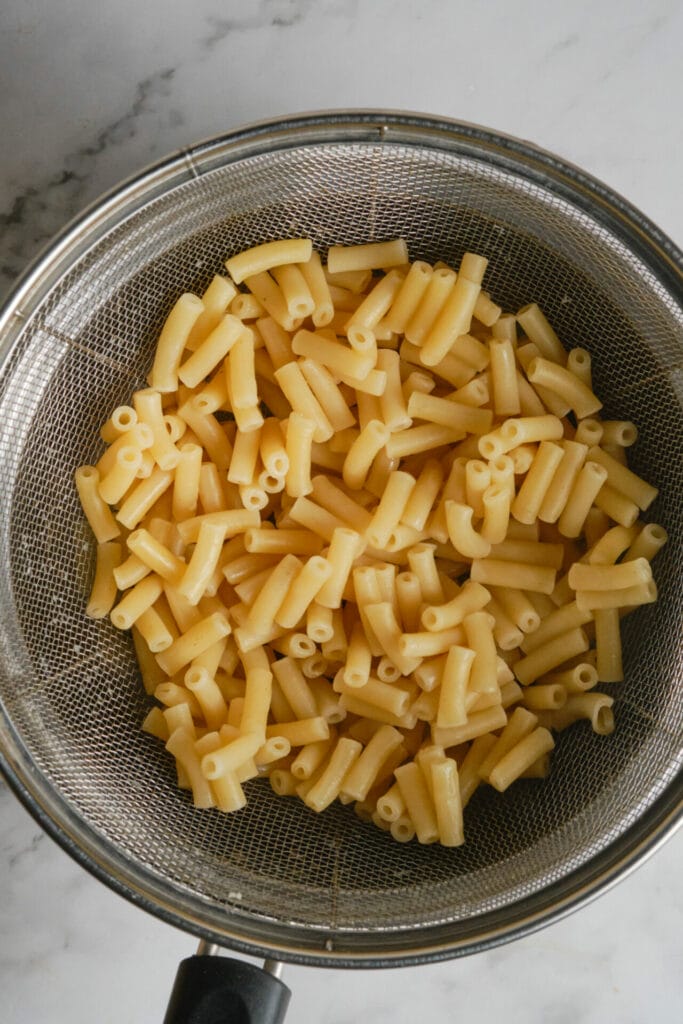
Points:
(93, 92)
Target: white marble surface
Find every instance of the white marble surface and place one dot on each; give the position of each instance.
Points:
(90, 93)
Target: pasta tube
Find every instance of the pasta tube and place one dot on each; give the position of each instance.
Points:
(389, 505)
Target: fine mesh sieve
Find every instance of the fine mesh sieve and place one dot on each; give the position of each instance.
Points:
(77, 337)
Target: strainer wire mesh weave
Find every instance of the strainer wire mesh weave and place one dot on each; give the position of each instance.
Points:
(275, 873)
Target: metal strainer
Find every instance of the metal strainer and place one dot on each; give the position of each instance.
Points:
(76, 339)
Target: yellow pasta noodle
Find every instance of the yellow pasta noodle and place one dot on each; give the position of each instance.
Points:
(506, 401)
(520, 758)
(198, 638)
(471, 598)
(562, 381)
(390, 509)
(215, 300)
(360, 456)
(496, 510)
(172, 341)
(408, 297)
(212, 351)
(313, 274)
(530, 496)
(136, 601)
(302, 400)
(624, 480)
(271, 254)
(456, 315)
(386, 630)
(588, 484)
(583, 576)
(204, 560)
(99, 516)
(337, 357)
(433, 299)
(520, 724)
(422, 497)
(345, 546)
(563, 480)
(479, 632)
(295, 290)
(323, 385)
(499, 573)
(355, 525)
(420, 439)
(462, 534)
(103, 591)
(549, 655)
(626, 597)
(369, 256)
(378, 301)
(454, 684)
(536, 327)
(447, 802)
(392, 400)
(418, 802)
(477, 479)
(156, 556)
(651, 538)
(186, 482)
(122, 419)
(608, 645)
(329, 784)
(181, 745)
(299, 437)
(362, 775)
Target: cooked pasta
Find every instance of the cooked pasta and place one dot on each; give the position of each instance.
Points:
(365, 537)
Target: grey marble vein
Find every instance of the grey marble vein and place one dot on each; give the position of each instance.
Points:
(278, 14)
(41, 209)
(26, 850)
(568, 42)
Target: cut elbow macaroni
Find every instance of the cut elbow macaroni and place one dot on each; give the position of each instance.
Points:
(366, 541)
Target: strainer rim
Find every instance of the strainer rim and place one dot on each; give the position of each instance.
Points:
(642, 236)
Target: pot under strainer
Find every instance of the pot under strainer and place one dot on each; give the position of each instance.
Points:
(77, 337)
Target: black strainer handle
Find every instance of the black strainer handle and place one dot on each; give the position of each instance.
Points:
(220, 990)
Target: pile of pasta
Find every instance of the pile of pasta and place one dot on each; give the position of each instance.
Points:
(371, 536)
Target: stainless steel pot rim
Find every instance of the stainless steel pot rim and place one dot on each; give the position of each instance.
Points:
(538, 911)
(643, 238)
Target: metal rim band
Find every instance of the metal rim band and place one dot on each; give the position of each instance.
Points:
(143, 888)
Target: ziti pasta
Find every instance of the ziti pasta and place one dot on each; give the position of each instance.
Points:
(371, 535)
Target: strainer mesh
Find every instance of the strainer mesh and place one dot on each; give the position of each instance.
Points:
(70, 686)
